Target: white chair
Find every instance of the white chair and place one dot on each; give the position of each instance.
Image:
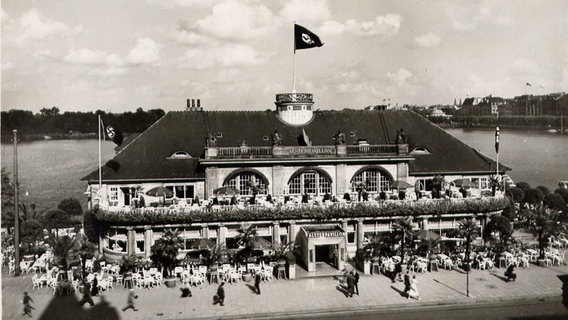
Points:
(36, 282)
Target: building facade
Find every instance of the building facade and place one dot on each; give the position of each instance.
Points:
(324, 180)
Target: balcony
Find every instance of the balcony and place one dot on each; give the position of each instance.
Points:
(341, 151)
(294, 97)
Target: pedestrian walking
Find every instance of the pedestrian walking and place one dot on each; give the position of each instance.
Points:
(95, 287)
(86, 294)
(356, 281)
(406, 283)
(27, 307)
(220, 296)
(130, 300)
(257, 282)
(350, 284)
(414, 292)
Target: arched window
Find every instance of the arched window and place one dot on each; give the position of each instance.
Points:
(310, 181)
(374, 179)
(248, 182)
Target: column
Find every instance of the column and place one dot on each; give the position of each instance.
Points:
(205, 232)
(340, 180)
(292, 232)
(130, 241)
(276, 234)
(222, 236)
(360, 234)
(424, 223)
(148, 237)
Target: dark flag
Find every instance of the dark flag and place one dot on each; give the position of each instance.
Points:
(497, 140)
(113, 134)
(305, 39)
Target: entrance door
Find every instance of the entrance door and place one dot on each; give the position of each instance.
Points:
(327, 253)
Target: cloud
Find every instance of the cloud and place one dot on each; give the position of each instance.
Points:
(36, 27)
(232, 55)
(181, 3)
(427, 40)
(386, 26)
(469, 16)
(234, 20)
(7, 65)
(146, 51)
(401, 77)
(306, 11)
(90, 57)
(524, 67)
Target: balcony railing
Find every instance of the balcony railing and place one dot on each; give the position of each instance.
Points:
(294, 97)
(305, 152)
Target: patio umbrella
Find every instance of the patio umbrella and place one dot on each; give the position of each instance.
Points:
(202, 243)
(399, 184)
(160, 192)
(463, 183)
(261, 243)
(427, 235)
(226, 191)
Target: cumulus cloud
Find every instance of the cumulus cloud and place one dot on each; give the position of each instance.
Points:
(386, 26)
(146, 51)
(37, 27)
(222, 56)
(427, 40)
(236, 20)
(469, 16)
(306, 11)
(401, 77)
(7, 65)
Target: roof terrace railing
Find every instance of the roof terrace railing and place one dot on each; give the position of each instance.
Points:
(304, 151)
(294, 97)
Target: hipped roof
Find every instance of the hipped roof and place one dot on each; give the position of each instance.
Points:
(147, 157)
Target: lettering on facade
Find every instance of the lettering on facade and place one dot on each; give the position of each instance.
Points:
(320, 150)
(324, 234)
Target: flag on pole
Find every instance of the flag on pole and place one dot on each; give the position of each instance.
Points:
(528, 85)
(305, 39)
(497, 140)
(306, 138)
(112, 133)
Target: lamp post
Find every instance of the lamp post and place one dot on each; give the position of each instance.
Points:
(16, 213)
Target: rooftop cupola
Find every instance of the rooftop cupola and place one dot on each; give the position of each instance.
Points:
(295, 108)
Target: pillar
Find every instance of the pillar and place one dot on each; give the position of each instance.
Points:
(279, 184)
(205, 232)
(222, 236)
(360, 234)
(340, 183)
(148, 237)
(276, 234)
(130, 241)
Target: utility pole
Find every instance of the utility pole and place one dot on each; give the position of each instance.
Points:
(16, 213)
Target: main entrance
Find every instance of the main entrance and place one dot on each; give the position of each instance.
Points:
(323, 247)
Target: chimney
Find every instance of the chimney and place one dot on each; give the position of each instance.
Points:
(198, 103)
(188, 104)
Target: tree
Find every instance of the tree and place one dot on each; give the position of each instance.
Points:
(403, 227)
(544, 223)
(498, 229)
(86, 250)
(7, 200)
(56, 219)
(543, 189)
(523, 185)
(555, 201)
(533, 197)
(62, 248)
(247, 235)
(517, 194)
(469, 229)
(31, 231)
(563, 193)
(93, 228)
(71, 206)
(165, 250)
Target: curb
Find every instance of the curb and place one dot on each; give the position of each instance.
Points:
(393, 307)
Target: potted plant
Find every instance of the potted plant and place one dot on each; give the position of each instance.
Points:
(164, 254)
(247, 235)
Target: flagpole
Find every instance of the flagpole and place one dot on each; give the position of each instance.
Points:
(294, 60)
(100, 170)
(498, 140)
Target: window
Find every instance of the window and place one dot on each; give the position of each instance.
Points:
(180, 155)
(310, 182)
(183, 191)
(374, 180)
(247, 182)
(113, 196)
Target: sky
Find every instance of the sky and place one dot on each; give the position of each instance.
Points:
(117, 56)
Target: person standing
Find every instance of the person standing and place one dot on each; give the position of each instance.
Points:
(95, 287)
(257, 282)
(510, 273)
(130, 300)
(356, 281)
(86, 294)
(406, 283)
(414, 293)
(27, 307)
(220, 297)
(350, 284)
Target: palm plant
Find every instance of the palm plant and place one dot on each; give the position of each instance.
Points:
(403, 227)
(86, 250)
(165, 250)
(543, 223)
(62, 248)
(247, 235)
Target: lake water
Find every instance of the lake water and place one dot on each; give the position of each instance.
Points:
(52, 170)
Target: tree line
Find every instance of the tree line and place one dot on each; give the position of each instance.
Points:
(50, 121)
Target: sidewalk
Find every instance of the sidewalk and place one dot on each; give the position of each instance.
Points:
(285, 297)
